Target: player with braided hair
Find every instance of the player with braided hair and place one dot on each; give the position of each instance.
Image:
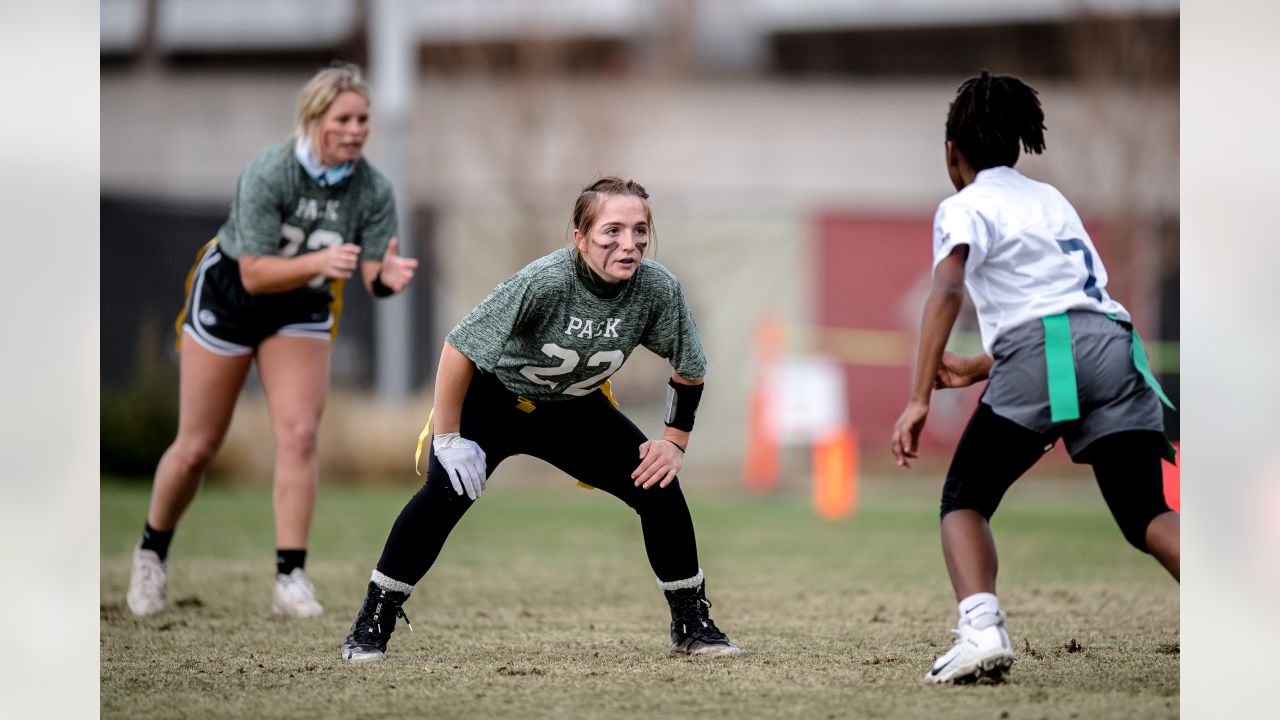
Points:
(1061, 356)
(528, 368)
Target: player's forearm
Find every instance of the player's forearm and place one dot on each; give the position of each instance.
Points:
(369, 270)
(676, 435)
(371, 275)
(270, 274)
(940, 312)
(452, 378)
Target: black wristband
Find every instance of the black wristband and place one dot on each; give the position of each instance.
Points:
(673, 442)
(682, 405)
(380, 290)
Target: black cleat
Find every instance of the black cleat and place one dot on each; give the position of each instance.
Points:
(692, 630)
(367, 641)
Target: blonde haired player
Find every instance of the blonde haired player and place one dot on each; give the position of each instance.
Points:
(308, 213)
(1061, 355)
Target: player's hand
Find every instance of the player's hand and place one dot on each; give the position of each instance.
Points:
(339, 261)
(464, 461)
(396, 271)
(906, 434)
(957, 371)
(660, 460)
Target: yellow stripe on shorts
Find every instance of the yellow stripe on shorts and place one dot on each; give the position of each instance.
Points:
(607, 389)
(335, 306)
(426, 430)
(186, 290)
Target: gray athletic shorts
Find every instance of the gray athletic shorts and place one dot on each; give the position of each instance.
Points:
(1114, 397)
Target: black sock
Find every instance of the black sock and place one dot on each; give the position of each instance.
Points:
(156, 540)
(287, 560)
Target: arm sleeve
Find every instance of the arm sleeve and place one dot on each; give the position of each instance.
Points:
(956, 225)
(673, 335)
(257, 214)
(483, 332)
(379, 224)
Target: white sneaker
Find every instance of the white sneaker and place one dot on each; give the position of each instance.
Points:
(295, 596)
(146, 583)
(982, 649)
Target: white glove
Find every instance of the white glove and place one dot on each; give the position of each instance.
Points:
(463, 460)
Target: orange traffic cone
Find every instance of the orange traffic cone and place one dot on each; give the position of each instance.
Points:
(835, 475)
(762, 447)
(761, 456)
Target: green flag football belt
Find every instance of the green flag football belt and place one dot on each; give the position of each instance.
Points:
(1064, 398)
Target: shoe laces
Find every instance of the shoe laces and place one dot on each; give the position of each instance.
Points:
(968, 628)
(693, 613)
(369, 623)
(986, 620)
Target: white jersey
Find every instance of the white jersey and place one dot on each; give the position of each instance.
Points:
(1029, 255)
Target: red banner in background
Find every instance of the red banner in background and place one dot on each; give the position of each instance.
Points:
(873, 275)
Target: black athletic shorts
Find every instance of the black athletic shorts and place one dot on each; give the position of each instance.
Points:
(225, 319)
(995, 451)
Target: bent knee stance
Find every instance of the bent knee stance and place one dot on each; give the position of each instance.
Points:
(654, 502)
(960, 495)
(1134, 518)
(993, 452)
(1127, 467)
(1134, 528)
(194, 455)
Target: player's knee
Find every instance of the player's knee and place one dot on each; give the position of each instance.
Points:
(1134, 526)
(655, 499)
(957, 496)
(297, 440)
(195, 454)
(439, 489)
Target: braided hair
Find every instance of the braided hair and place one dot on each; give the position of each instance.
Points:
(991, 116)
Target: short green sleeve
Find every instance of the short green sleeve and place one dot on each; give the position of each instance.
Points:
(257, 214)
(379, 224)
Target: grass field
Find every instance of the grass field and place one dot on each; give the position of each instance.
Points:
(542, 605)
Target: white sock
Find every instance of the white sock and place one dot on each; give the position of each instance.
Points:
(390, 584)
(686, 584)
(978, 605)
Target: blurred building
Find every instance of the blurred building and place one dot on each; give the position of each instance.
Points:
(793, 150)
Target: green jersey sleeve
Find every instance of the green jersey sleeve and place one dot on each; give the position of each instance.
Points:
(256, 212)
(483, 333)
(379, 224)
(672, 334)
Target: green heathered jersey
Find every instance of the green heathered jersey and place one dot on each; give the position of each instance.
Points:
(546, 336)
(279, 210)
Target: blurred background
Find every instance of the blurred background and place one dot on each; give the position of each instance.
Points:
(793, 150)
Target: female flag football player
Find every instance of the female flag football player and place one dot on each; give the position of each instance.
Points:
(1061, 355)
(526, 372)
(307, 214)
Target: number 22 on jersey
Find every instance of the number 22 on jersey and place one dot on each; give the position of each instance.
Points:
(318, 240)
(569, 360)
